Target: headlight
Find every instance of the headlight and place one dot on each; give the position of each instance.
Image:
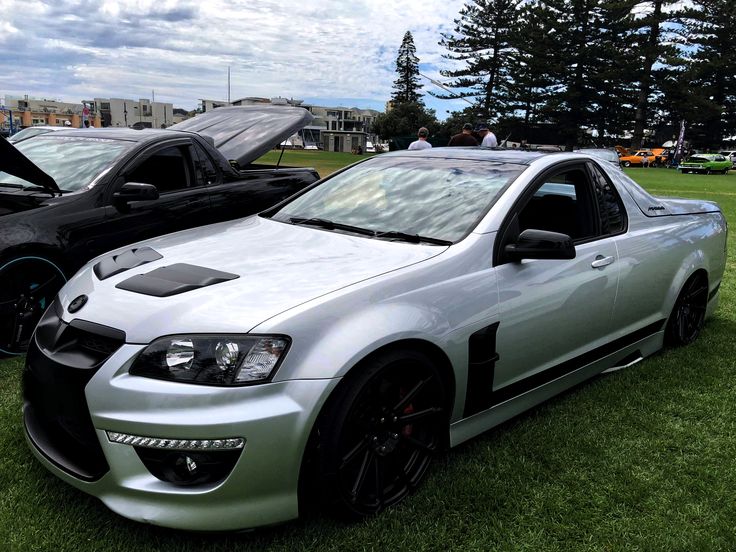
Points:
(212, 359)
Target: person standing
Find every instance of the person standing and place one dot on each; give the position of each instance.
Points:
(465, 138)
(488, 138)
(421, 142)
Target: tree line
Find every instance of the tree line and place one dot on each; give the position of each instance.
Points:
(581, 71)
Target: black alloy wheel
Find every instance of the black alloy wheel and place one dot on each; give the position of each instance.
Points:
(379, 437)
(27, 286)
(688, 314)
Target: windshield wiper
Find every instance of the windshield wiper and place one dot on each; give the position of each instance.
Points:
(392, 235)
(412, 238)
(6, 185)
(330, 225)
(42, 189)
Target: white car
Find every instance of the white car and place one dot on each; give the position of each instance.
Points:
(331, 346)
(731, 155)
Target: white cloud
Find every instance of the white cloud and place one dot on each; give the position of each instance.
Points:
(328, 48)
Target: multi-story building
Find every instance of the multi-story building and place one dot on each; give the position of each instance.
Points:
(101, 112)
(343, 128)
(141, 113)
(28, 111)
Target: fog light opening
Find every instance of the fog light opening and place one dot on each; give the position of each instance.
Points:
(187, 468)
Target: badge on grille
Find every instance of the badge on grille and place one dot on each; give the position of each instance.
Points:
(77, 304)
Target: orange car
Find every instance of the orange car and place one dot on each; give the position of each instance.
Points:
(637, 159)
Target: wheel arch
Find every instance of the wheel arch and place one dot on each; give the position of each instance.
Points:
(40, 250)
(306, 493)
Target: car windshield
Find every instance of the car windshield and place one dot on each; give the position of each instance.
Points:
(72, 162)
(441, 199)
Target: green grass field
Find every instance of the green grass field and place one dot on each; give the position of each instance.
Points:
(637, 460)
(325, 162)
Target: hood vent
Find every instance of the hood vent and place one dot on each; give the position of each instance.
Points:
(115, 264)
(174, 279)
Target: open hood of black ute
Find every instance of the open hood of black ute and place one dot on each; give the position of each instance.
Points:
(244, 133)
(14, 162)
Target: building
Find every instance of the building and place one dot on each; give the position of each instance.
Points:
(334, 128)
(141, 113)
(342, 128)
(28, 111)
(101, 112)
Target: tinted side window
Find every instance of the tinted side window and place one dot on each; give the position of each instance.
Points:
(168, 169)
(562, 204)
(204, 168)
(610, 207)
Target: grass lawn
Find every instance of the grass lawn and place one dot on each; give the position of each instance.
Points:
(637, 460)
(325, 162)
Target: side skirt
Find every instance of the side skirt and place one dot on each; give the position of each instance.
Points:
(468, 428)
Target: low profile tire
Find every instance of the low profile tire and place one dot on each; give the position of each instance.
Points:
(688, 314)
(378, 438)
(627, 163)
(29, 284)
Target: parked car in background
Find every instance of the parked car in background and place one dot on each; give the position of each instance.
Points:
(610, 155)
(637, 159)
(30, 132)
(707, 163)
(730, 155)
(68, 196)
(332, 345)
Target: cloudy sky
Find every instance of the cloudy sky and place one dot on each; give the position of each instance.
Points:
(338, 52)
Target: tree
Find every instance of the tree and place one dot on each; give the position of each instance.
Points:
(406, 86)
(404, 120)
(650, 44)
(481, 41)
(711, 74)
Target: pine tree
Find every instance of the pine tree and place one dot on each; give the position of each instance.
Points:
(711, 70)
(481, 42)
(650, 44)
(579, 38)
(406, 86)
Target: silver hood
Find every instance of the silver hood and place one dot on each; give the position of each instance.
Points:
(279, 266)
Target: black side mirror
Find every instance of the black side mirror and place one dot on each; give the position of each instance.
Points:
(136, 191)
(540, 244)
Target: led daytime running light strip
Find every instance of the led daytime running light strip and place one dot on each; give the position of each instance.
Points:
(176, 444)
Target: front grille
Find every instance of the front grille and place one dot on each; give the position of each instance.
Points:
(61, 360)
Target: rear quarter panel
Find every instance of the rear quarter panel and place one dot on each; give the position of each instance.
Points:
(658, 254)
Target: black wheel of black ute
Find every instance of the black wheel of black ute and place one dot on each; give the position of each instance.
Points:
(688, 314)
(27, 287)
(380, 435)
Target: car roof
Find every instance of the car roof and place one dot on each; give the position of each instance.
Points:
(114, 133)
(473, 154)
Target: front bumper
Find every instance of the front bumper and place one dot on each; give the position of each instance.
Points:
(275, 419)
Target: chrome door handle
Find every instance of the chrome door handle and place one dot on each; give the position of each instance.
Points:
(601, 261)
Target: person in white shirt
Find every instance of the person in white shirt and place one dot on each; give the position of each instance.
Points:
(421, 143)
(489, 139)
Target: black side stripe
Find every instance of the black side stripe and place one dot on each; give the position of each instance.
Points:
(497, 396)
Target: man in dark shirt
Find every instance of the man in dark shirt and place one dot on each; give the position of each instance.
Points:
(465, 138)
